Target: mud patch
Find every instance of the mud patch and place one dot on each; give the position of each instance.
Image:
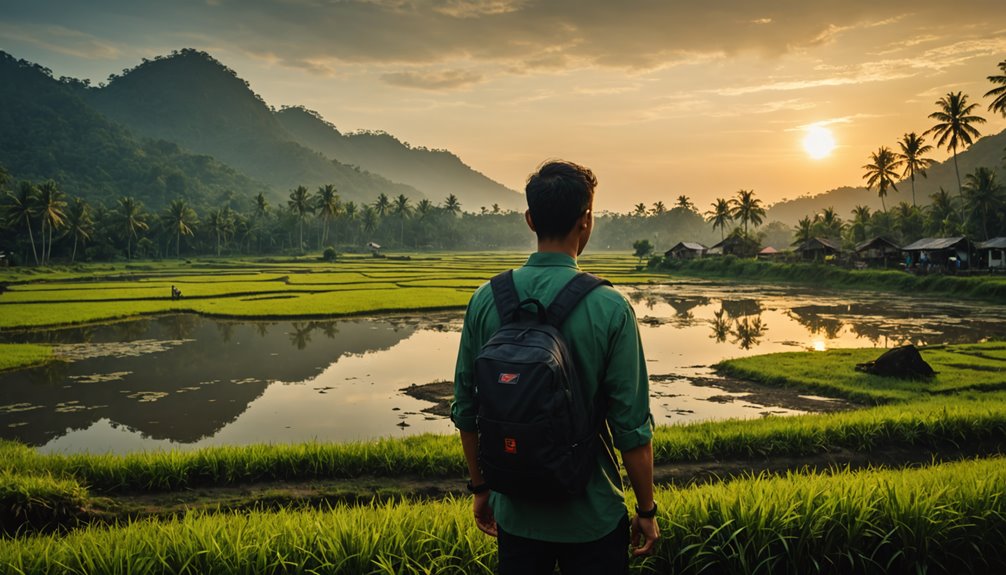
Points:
(439, 393)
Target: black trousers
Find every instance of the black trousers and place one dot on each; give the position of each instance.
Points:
(608, 555)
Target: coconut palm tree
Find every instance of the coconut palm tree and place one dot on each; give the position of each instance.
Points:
(327, 206)
(828, 223)
(986, 196)
(452, 205)
(369, 219)
(803, 231)
(50, 203)
(132, 219)
(913, 149)
(382, 205)
(220, 223)
(881, 172)
(719, 216)
(954, 130)
(998, 94)
(21, 210)
(179, 218)
(685, 203)
(860, 223)
(639, 210)
(423, 208)
(941, 214)
(658, 208)
(403, 210)
(745, 208)
(299, 204)
(79, 224)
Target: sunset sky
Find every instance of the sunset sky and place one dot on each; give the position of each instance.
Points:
(659, 98)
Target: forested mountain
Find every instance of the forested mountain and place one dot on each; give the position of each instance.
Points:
(47, 131)
(436, 173)
(987, 152)
(194, 100)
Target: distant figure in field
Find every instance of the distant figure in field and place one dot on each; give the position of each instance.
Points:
(585, 530)
(176, 293)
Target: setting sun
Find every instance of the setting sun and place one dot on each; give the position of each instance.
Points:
(818, 142)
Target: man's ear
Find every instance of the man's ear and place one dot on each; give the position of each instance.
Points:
(527, 218)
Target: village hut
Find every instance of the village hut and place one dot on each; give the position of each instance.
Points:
(878, 252)
(819, 249)
(733, 245)
(685, 251)
(770, 253)
(993, 252)
(934, 254)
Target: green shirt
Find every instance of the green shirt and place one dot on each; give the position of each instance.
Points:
(604, 341)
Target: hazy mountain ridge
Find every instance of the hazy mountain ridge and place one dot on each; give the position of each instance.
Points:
(986, 152)
(47, 130)
(437, 173)
(192, 99)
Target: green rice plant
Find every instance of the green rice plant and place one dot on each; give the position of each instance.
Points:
(38, 502)
(944, 518)
(21, 355)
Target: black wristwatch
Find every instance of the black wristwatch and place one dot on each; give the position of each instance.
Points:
(476, 489)
(647, 514)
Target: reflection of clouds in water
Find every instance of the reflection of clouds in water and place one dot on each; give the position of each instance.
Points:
(100, 377)
(82, 351)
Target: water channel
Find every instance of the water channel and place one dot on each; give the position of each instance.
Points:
(185, 381)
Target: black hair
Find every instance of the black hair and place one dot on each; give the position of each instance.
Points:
(557, 195)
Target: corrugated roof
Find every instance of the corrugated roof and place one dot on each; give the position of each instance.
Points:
(928, 244)
(825, 242)
(995, 243)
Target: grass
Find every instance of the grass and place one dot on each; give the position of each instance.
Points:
(947, 518)
(979, 367)
(991, 288)
(242, 288)
(21, 355)
(38, 502)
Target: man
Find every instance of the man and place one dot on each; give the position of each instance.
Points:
(589, 533)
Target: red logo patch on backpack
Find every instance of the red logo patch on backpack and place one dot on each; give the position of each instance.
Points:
(510, 445)
(510, 378)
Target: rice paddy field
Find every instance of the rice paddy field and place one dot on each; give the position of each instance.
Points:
(926, 492)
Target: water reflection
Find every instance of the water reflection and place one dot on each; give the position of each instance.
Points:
(189, 381)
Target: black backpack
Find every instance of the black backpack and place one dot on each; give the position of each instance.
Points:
(538, 432)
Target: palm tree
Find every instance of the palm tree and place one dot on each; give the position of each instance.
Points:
(658, 208)
(881, 173)
(50, 204)
(221, 223)
(860, 223)
(746, 208)
(803, 231)
(954, 130)
(382, 205)
(300, 205)
(261, 205)
(639, 210)
(913, 147)
(370, 219)
(179, 218)
(941, 214)
(350, 212)
(424, 207)
(20, 210)
(986, 195)
(452, 205)
(402, 209)
(685, 203)
(79, 224)
(719, 216)
(132, 220)
(828, 223)
(327, 205)
(999, 102)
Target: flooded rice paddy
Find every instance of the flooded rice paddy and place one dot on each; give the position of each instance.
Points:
(185, 381)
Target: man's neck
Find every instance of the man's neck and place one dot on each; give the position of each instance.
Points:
(568, 246)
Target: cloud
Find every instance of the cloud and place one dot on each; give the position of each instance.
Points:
(434, 80)
(61, 40)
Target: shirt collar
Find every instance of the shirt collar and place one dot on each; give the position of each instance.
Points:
(551, 259)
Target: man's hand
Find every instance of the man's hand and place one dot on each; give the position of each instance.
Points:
(484, 518)
(645, 533)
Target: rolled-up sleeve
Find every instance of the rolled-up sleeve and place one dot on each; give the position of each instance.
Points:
(627, 385)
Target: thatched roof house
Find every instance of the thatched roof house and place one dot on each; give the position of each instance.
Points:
(686, 251)
(878, 250)
(819, 248)
(731, 245)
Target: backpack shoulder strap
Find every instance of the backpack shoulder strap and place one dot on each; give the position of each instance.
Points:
(505, 296)
(571, 294)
